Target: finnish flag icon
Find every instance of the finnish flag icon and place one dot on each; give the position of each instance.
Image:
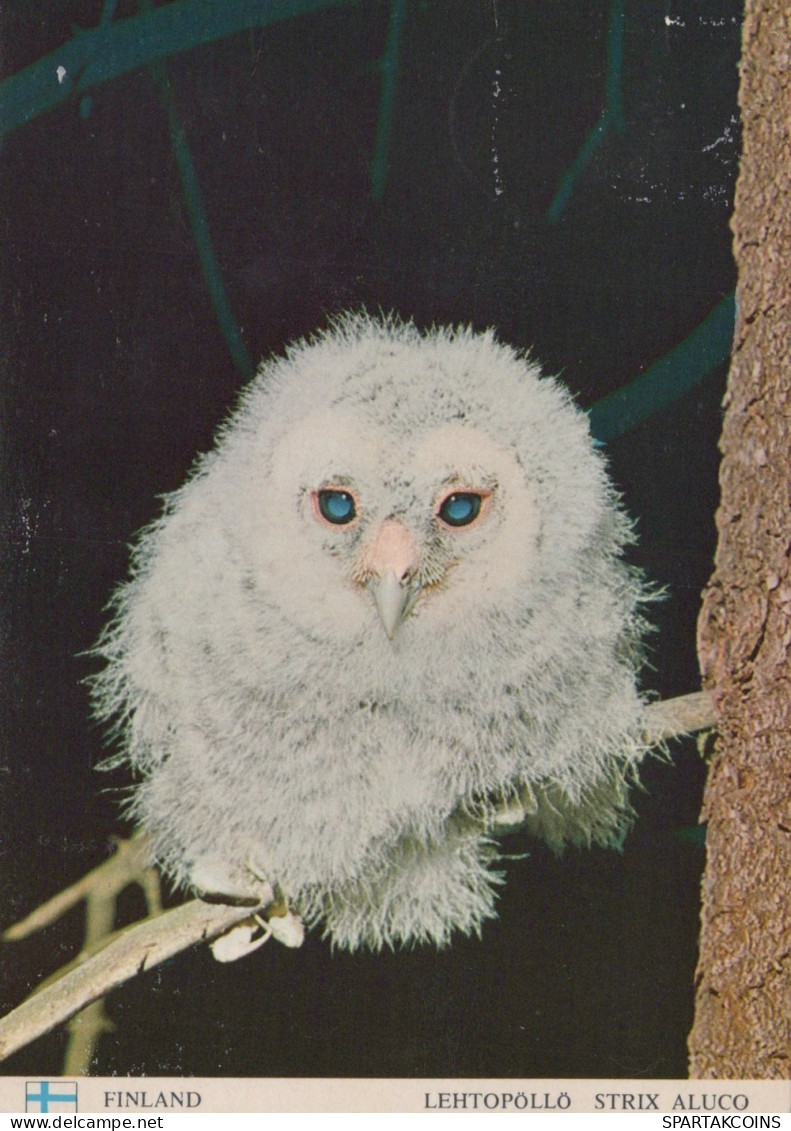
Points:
(50, 1095)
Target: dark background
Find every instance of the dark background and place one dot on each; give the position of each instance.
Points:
(116, 374)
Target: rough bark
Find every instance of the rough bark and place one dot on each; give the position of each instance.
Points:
(743, 1012)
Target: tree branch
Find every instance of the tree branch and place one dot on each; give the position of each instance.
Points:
(96, 55)
(127, 953)
(127, 865)
(676, 718)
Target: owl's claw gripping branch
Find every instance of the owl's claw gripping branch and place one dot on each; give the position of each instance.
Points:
(274, 922)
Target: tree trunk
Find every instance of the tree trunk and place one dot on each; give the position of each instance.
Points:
(743, 1011)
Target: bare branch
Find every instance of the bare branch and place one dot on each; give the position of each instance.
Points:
(129, 952)
(676, 718)
(130, 864)
(127, 865)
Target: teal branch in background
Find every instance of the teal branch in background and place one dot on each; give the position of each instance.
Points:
(388, 65)
(613, 99)
(612, 116)
(670, 377)
(96, 55)
(108, 11)
(691, 834)
(196, 210)
(106, 18)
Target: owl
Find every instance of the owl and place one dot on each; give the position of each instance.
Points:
(390, 604)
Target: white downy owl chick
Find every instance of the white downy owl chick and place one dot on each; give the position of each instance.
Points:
(389, 603)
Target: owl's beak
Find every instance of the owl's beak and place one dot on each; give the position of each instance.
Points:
(394, 599)
(389, 565)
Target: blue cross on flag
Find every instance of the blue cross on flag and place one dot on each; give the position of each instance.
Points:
(50, 1095)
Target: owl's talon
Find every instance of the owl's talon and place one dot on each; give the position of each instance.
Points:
(241, 940)
(287, 929)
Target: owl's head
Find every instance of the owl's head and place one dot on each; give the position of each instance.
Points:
(384, 478)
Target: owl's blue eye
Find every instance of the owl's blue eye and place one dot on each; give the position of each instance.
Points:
(336, 506)
(461, 508)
